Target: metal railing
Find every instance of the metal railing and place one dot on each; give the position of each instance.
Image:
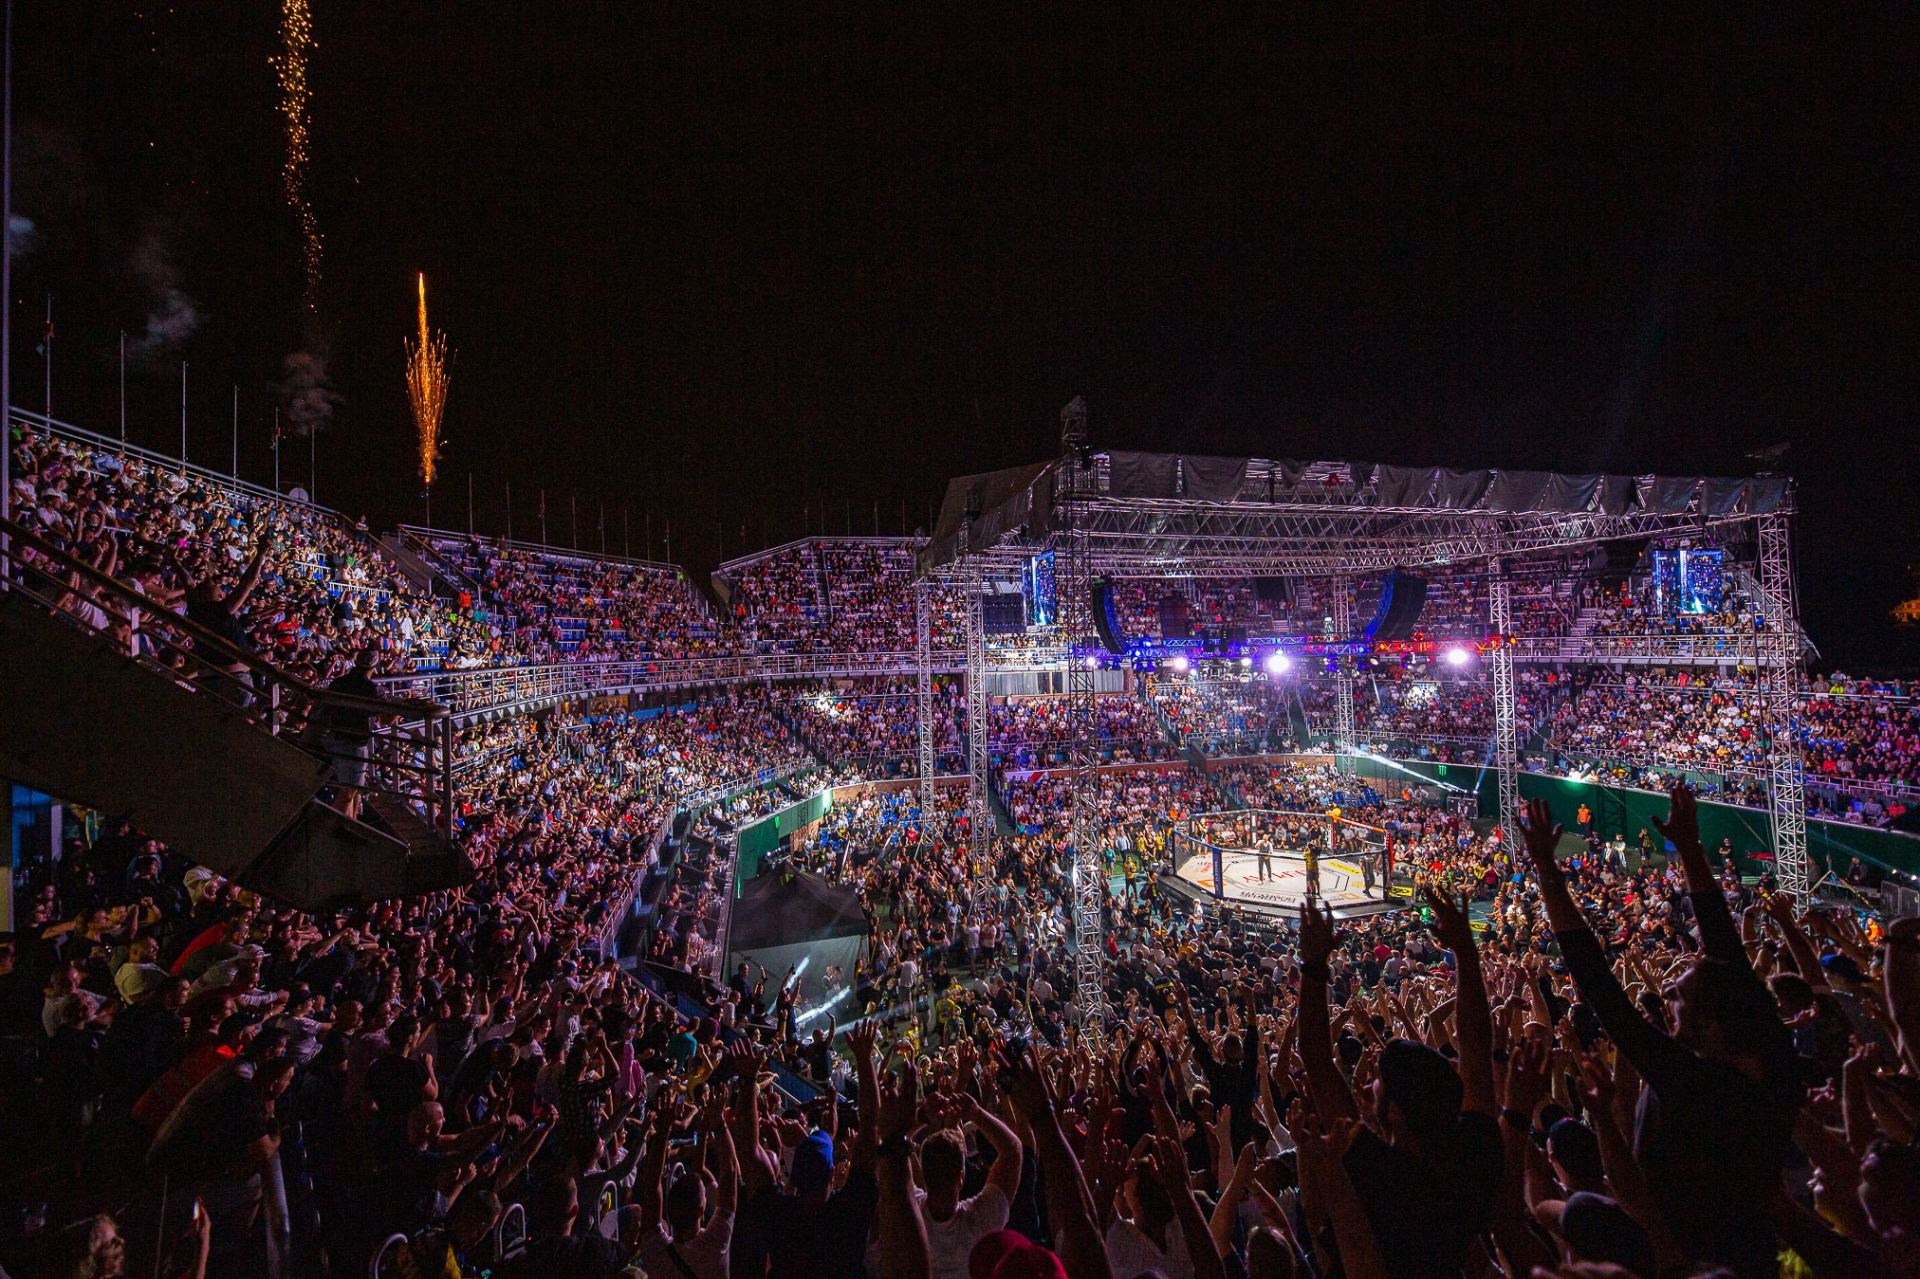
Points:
(467, 694)
(609, 938)
(424, 534)
(1716, 647)
(40, 422)
(410, 749)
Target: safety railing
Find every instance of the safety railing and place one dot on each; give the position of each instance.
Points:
(408, 747)
(622, 905)
(120, 449)
(511, 689)
(1717, 647)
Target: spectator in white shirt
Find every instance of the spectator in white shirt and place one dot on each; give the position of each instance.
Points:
(954, 1225)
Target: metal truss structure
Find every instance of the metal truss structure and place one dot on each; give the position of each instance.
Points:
(1330, 520)
(923, 681)
(979, 809)
(1073, 579)
(1343, 738)
(1506, 709)
(1778, 638)
(1313, 520)
(1135, 537)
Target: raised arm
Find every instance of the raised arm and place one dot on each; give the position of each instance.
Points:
(861, 1040)
(1719, 935)
(1805, 959)
(646, 1186)
(1330, 1093)
(1076, 1235)
(1902, 980)
(1325, 1184)
(243, 590)
(1473, 1021)
(757, 1161)
(724, 1161)
(1170, 1166)
(1653, 1053)
(899, 1232)
(1005, 1175)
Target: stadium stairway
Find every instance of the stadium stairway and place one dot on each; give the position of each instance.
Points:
(427, 567)
(1297, 719)
(85, 722)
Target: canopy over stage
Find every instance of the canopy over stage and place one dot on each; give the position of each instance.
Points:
(788, 918)
(1117, 514)
(1177, 514)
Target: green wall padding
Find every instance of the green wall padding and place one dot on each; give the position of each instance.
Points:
(758, 838)
(1624, 810)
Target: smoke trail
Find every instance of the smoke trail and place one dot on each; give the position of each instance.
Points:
(310, 399)
(23, 237)
(172, 316)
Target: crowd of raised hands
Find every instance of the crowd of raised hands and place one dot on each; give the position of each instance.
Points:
(1504, 1113)
(1588, 1096)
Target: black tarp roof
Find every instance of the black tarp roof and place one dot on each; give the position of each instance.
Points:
(780, 908)
(1021, 497)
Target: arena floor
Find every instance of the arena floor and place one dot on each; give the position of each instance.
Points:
(1341, 883)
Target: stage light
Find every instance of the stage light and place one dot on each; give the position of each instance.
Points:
(1278, 663)
(1181, 665)
(1093, 663)
(1246, 663)
(811, 1013)
(1457, 656)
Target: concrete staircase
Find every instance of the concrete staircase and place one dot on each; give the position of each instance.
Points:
(85, 722)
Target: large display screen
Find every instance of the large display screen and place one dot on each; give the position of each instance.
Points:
(1691, 582)
(1037, 584)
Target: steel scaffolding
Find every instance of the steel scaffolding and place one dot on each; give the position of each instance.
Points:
(979, 810)
(1343, 729)
(1073, 581)
(1506, 710)
(1778, 646)
(923, 674)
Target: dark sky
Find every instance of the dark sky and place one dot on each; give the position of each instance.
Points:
(744, 273)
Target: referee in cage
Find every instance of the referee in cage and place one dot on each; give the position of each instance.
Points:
(1263, 853)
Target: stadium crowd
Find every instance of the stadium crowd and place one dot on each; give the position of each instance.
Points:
(838, 595)
(1633, 609)
(1571, 1061)
(562, 606)
(320, 584)
(1034, 731)
(1231, 716)
(875, 723)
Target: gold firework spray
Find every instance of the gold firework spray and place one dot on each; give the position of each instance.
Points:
(296, 39)
(427, 379)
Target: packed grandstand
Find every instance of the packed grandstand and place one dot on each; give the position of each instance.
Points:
(1606, 1050)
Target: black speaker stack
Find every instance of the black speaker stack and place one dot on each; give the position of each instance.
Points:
(1402, 596)
(1106, 618)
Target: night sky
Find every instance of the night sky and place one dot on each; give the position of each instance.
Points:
(753, 275)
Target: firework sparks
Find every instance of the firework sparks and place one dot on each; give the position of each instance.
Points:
(427, 379)
(296, 38)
